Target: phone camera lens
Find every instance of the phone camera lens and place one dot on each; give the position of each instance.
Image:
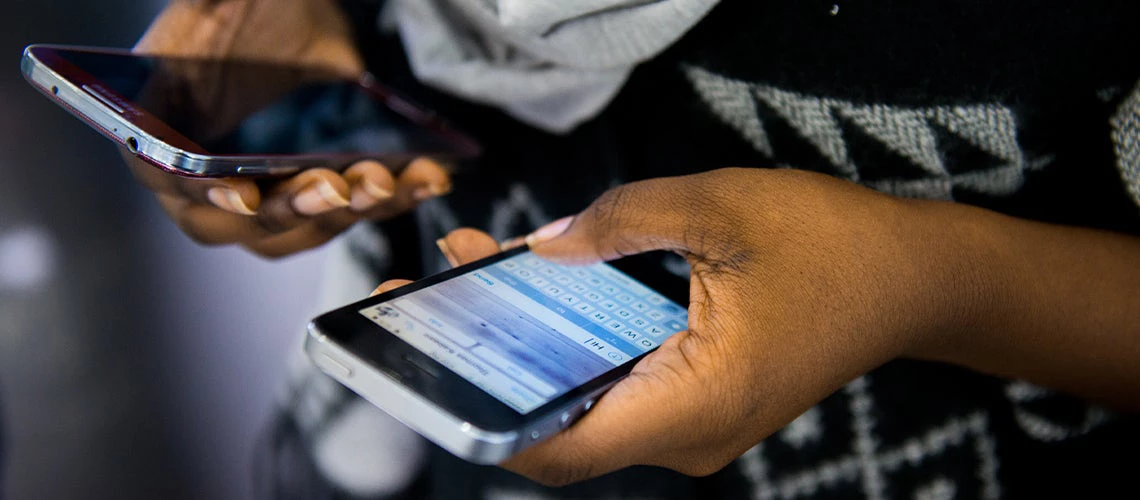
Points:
(132, 145)
(54, 90)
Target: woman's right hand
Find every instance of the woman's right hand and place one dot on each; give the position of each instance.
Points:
(306, 209)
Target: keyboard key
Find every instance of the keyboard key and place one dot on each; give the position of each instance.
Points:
(655, 331)
(610, 290)
(509, 265)
(569, 299)
(673, 309)
(583, 308)
(593, 296)
(639, 322)
(640, 306)
(608, 305)
(615, 325)
(624, 313)
(629, 334)
(655, 300)
(581, 273)
(563, 280)
(595, 282)
(532, 261)
(579, 288)
(625, 298)
(675, 325)
(553, 290)
(601, 317)
(525, 274)
(539, 282)
(646, 343)
(655, 315)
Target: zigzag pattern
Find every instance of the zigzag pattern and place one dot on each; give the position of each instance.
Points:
(910, 133)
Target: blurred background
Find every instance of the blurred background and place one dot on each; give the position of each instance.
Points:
(133, 363)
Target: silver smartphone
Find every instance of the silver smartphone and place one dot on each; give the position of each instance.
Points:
(232, 118)
(494, 356)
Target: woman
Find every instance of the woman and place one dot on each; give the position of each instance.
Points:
(954, 210)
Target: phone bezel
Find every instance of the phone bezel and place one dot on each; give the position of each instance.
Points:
(375, 346)
(155, 142)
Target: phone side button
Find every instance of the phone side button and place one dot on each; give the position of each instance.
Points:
(331, 366)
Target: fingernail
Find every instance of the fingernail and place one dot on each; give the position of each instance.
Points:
(515, 242)
(375, 190)
(318, 199)
(229, 200)
(367, 195)
(425, 192)
(446, 250)
(549, 231)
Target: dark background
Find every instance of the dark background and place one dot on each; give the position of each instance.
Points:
(133, 363)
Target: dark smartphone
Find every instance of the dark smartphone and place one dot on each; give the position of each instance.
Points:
(226, 118)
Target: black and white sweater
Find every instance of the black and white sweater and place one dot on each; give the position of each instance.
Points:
(1027, 108)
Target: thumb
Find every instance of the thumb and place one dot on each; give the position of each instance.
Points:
(629, 219)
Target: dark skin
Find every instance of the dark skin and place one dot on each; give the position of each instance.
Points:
(294, 213)
(801, 283)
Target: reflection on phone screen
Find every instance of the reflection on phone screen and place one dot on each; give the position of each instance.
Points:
(231, 107)
(527, 330)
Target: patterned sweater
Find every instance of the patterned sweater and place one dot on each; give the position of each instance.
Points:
(1027, 108)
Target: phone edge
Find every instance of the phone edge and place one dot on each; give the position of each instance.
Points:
(92, 110)
(89, 109)
(422, 416)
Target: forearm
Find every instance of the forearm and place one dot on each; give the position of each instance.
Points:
(1054, 305)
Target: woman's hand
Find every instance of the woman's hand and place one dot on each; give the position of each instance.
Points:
(801, 283)
(309, 208)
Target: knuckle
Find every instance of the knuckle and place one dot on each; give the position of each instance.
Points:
(274, 224)
(614, 213)
(612, 207)
(701, 464)
(268, 252)
(721, 210)
(557, 474)
(561, 461)
(700, 468)
(333, 225)
(196, 232)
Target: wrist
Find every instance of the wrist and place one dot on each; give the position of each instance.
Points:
(962, 268)
(1051, 304)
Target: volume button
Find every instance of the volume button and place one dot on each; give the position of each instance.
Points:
(103, 99)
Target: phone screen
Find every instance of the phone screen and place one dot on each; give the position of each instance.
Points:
(526, 330)
(258, 109)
